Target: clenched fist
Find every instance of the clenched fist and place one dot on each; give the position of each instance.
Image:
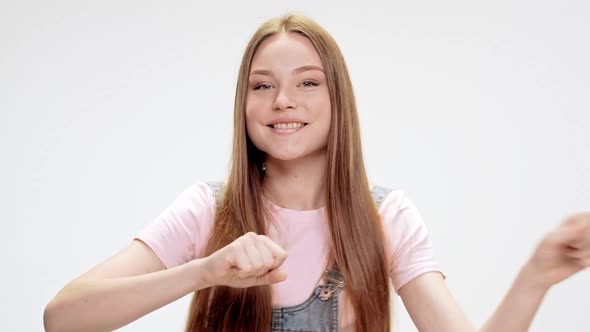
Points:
(563, 252)
(251, 260)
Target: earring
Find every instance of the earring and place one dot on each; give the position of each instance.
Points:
(263, 167)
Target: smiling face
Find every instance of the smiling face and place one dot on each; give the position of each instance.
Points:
(288, 107)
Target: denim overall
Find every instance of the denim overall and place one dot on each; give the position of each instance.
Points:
(319, 313)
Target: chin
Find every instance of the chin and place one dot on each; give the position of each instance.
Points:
(293, 155)
(285, 156)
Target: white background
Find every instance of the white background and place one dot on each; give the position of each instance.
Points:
(479, 110)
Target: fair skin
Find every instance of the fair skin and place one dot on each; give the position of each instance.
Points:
(287, 85)
(135, 282)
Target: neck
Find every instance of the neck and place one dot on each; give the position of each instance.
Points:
(296, 184)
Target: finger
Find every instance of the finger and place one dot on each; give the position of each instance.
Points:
(579, 241)
(278, 253)
(250, 235)
(243, 264)
(576, 244)
(579, 222)
(256, 259)
(265, 255)
(271, 277)
(578, 218)
(274, 276)
(568, 234)
(582, 241)
(584, 262)
(577, 253)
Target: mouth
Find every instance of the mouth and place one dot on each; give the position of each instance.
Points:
(287, 125)
(287, 128)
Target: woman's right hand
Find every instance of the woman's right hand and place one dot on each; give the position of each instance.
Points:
(250, 260)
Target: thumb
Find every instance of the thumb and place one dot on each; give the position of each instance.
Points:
(570, 234)
(271, 277)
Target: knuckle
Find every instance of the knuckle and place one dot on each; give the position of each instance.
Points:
(248, 238)
(246, 269)
(234, 247)
(577, 255)
(580, 219)
(267, 263)
(263, 279)
(246, 243)
(262, 237)
(236, 243)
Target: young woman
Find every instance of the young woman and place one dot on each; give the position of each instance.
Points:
(296, 239)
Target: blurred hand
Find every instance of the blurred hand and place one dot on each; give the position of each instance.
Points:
(563, 252)
(251, 260)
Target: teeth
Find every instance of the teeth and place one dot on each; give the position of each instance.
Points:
(290, 125)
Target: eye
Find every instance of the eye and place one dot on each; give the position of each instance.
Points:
(309, 84)
(262, 86)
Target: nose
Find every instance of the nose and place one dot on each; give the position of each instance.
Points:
(283, 101)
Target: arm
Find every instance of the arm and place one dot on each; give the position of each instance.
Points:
(432, 307)
(134, 283)
(519, 306)
(561, 254)
(124, 288)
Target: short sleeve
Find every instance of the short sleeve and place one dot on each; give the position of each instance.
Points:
(179, 234)
(409, 245)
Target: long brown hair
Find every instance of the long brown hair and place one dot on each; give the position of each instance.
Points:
(356, 233)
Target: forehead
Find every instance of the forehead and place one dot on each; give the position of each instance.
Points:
(285, 50)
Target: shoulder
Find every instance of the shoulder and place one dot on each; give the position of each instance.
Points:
(408, 244)
(398, 212)
(196, 200)
(395, 201)
(389, 200)
(178, 233)
(198, 193)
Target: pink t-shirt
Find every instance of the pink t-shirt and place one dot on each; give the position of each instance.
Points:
(179, 234)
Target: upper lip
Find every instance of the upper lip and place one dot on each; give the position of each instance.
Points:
(286, 120)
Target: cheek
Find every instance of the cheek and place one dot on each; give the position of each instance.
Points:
(317, 102)
(252, 112)
(250, 125)
(254, 108)
(324, 108)
(253, 121)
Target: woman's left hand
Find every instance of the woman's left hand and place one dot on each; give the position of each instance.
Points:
(562, 253)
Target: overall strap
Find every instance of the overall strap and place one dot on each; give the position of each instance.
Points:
(218, 189)
(379, 193)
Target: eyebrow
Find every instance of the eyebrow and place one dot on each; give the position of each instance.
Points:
(295, 71)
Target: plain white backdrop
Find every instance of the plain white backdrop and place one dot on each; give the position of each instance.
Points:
(479, 110)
